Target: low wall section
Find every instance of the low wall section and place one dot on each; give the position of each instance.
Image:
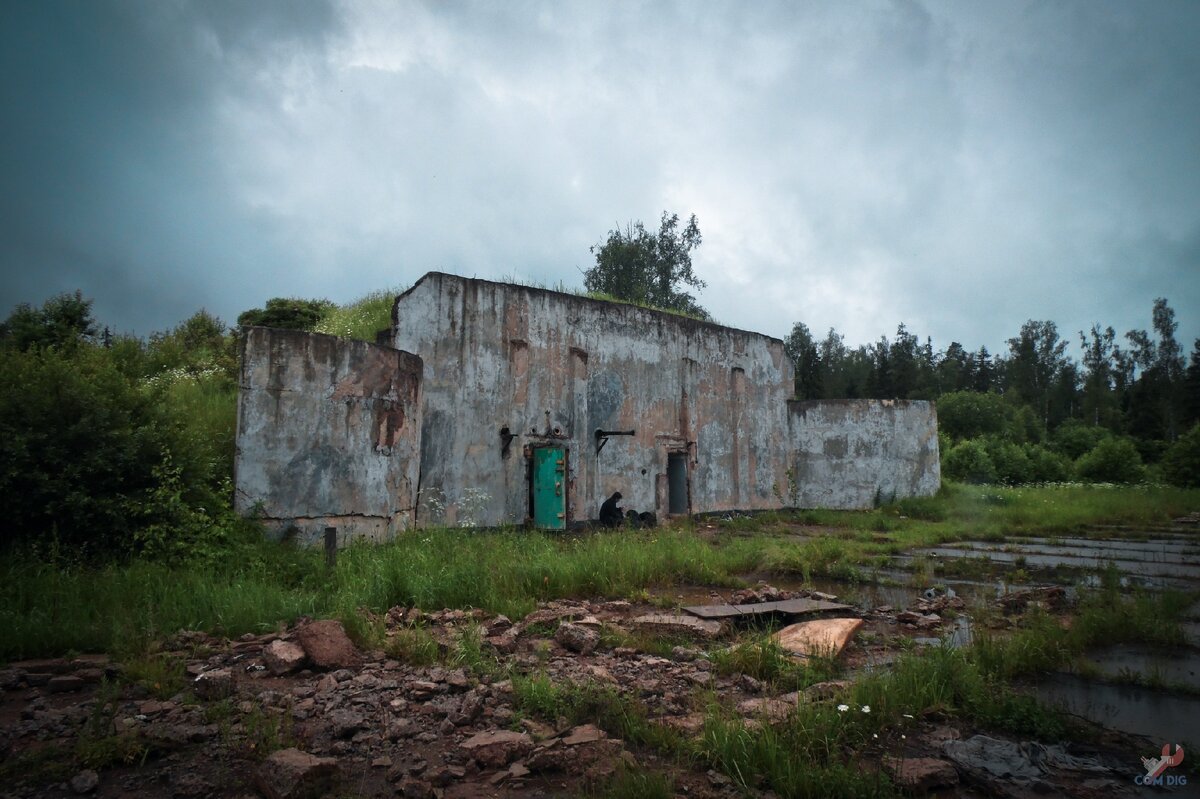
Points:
(328, 435)
(857, 453)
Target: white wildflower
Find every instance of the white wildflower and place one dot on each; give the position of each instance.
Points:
(866, 708)
(843, 708)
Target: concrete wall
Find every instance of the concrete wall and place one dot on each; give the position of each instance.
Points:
(328, 434)
(554, 367)
(855, 453)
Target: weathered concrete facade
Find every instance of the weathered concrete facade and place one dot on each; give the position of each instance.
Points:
(328, 434)
(534, 405)
(857, 453)
(553, 368)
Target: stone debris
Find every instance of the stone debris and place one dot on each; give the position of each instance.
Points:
(85, 781)
(215, 684)
(403, 729)
(819, 637)
(676, 624)
(293, 774)
(798, 606)
(920, 621)
(497, 748)
(327, 645)
(577, 638)
(283, 657)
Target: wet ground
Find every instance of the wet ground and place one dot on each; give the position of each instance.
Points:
(1133, 689)
(394, 728)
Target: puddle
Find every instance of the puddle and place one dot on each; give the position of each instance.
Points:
(1097, 552)
(1035, 561)
(1189, 549)
(1177, 668)
(1142, 711)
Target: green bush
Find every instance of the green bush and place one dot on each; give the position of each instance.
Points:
(1113, 460)
(1074, 438)
(969, 462)
(290, 313)
(1181, 464)
(1010, 461)
(1046, 466)
(97, 462)
(970, 414)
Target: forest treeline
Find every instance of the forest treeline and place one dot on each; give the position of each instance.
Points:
(1031, 413)
(116, 444)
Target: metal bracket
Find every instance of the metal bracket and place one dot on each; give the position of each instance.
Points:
(506, 438)
(602, 436)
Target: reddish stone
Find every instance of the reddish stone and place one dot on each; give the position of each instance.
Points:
(327, 645)
(497, 748)
(292, 774)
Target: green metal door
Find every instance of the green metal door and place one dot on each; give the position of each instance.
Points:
(550, 488)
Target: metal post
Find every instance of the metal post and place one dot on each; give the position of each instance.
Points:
(331, 547)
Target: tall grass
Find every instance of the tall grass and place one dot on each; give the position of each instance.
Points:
(49, 609)
(363, 318)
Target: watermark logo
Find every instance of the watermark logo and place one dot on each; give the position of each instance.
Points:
(1155, 766)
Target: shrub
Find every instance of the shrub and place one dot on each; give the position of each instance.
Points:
(1181, 464)
(1113, 460)
(363, 318)
(93, 460)
(1073, 438)
(1010, 461)
(968, 462)
(970, 414)
(1046, 466)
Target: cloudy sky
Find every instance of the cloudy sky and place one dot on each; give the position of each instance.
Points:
(959, 167)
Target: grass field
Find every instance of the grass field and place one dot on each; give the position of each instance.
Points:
(50, 608)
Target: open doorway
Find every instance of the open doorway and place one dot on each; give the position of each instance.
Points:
(677, 483)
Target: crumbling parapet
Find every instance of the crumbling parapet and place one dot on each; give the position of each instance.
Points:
(328, 435)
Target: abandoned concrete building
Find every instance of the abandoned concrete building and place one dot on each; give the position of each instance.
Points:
(490, 403)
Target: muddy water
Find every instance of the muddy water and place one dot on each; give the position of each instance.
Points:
(1175, 668)
(1091, 561)
(1181, 547)
(1144, 711)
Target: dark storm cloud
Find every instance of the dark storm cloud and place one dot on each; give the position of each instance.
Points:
(108, 151)
(957, 167)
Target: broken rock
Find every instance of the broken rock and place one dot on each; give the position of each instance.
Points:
(577, 638)
(497, 748)
(327, 645)
(675, 624)
(85, 781)
(292, 774)
(213, 685)
(283, 657)
(825, 637)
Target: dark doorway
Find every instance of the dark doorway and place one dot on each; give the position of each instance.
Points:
(677, 483)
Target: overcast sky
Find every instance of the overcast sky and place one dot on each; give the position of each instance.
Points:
(959, 167)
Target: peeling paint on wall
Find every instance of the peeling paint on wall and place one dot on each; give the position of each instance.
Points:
(379, 439)
(860, 453)
(328, 435)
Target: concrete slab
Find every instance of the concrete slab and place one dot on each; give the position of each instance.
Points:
(826, 637)
(788, 607)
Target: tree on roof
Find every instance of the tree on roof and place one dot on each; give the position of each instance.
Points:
(638, 266)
